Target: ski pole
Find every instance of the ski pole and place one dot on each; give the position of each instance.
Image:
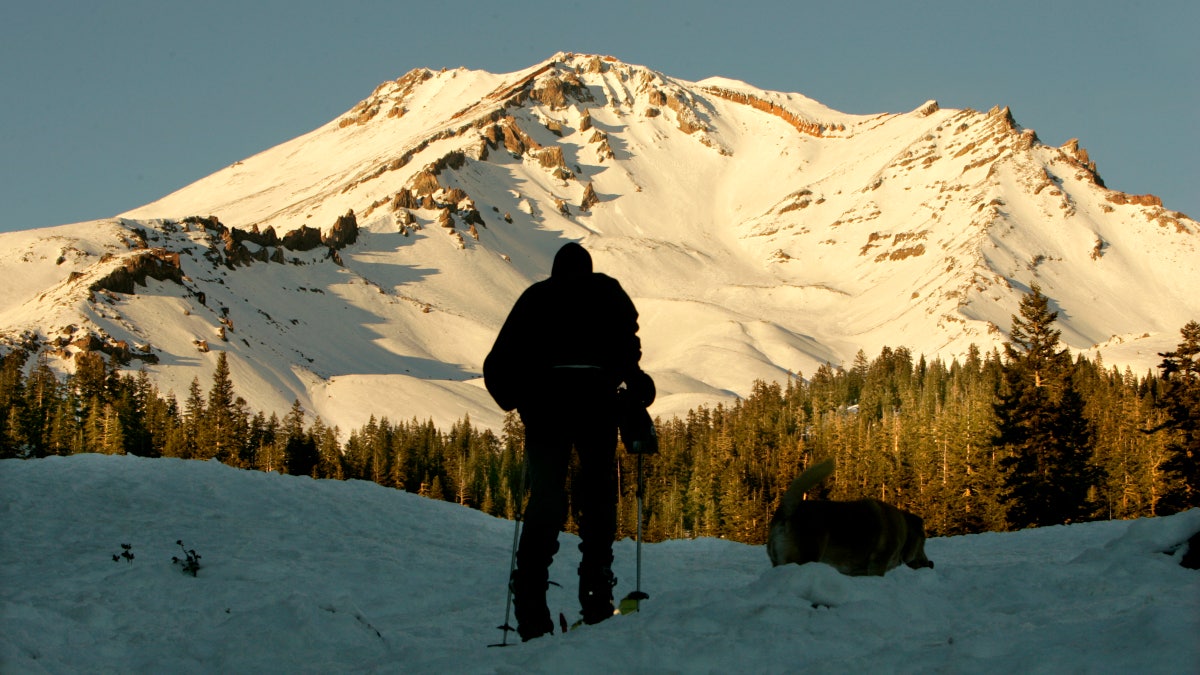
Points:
(512, 563)
(632, 602)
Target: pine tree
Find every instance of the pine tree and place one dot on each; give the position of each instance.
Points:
(42, 396)
(1040, 424)
(268, 453)
(185, 441)
(221, 434)
(329, 464)
(1181, 403)
(103, 431)
(974, 419)
(300, 450)
(112, 441)
(985, 445)
(512, 466)
(12, 409)
(64, 432)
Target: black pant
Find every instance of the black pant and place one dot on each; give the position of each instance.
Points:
(577, 412)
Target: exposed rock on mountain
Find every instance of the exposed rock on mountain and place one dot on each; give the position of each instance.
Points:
(134, 270)
(368, 264)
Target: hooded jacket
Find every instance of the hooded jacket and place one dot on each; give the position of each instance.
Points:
(576, 318)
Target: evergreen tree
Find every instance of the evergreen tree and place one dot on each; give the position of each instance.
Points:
(329, 454)
(975, 479)
(512, 466)
(379, 449)
(12, 411)
(268, 453)
(143, 411)
(112, 440)
(1040, 424)
(1181, 403)
(300, 450)
(185, 443)
(103, 431)
(64, 433)
(42, 396)
(221, 434)
(92, 375)
(982, 445)
(302, 455)
(399, 449)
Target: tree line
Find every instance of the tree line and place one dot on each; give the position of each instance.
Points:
(999, 441)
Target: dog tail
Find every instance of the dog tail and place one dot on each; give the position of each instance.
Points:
(803, 483)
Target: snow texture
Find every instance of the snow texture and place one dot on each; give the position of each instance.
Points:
(306, 576)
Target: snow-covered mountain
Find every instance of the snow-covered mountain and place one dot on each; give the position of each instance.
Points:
(365, 267)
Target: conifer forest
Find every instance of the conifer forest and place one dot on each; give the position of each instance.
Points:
(1007, 439)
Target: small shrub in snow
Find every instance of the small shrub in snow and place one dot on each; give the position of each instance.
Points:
(126, 553)
(190, 561)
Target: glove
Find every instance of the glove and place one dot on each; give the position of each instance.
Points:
(638, 434)
(640, 388)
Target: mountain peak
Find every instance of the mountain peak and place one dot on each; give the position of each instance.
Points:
(364, 268)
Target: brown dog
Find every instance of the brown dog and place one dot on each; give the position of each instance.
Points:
(857, 538)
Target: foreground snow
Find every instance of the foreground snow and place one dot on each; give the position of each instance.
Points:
(323, 576)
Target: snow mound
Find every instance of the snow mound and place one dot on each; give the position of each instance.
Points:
(299, 575)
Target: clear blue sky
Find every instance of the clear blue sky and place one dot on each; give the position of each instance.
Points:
(105, 106)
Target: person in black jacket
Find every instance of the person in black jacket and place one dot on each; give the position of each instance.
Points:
(564, 350)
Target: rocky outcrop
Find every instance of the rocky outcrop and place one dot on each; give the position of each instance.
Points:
(154, 263)
(801, 199)
(685, 116)
(235, 250)
(303, 239)
(557, 90)
(552, 158)
(265, 238)
(405, 199)
(800, 124)
(589, 198)
(92, 345)
(234, 246)
(1002, 119)
(603, 149)
(515, 93)
(470, 214)
(389, 96)
(343, 233)
(424, 183)
(1138, 200)
(405, 222)
(1078, 155)
(550, 92)
(516, 140)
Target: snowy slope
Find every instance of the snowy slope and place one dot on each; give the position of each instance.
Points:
(758, 232)
(307, 576)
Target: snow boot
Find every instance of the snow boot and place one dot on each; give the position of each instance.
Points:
(529, 605)
(595, 593)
